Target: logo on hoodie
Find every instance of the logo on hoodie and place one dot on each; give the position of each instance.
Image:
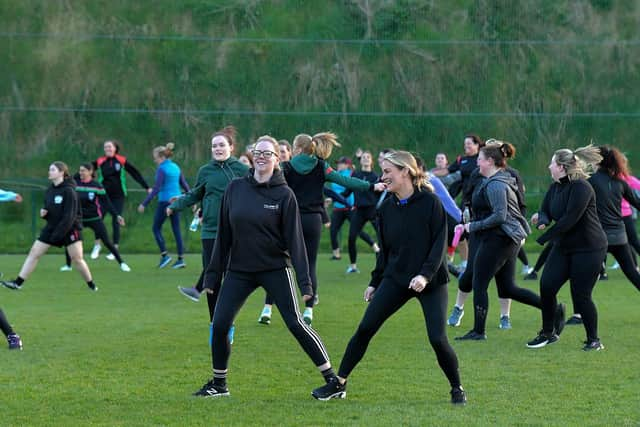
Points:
(271, 207)
(57, 200)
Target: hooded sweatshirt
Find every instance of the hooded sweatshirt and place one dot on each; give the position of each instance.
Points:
(495, 207)
(259, 230)
(63, 210)
(413, 236)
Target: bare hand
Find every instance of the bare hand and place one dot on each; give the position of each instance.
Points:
(306, 298)
(169, 211)
(149, 190)
(140, 208)
(458, 227)
(43, 213)
(327, 224)
(368, 293)
(542, 227)
(379, 187)
(18, 198)
(418, 283)
(121, 220)
(534, 218)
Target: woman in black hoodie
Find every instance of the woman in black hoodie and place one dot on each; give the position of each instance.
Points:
(63, 215)
(412, 230)
(259, 239)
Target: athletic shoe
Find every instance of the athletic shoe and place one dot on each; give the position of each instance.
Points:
(95, 252)
(604, 276)
(526, 269)
(505, 322)
(164, 261)
(66, 268)
(352, 270)
(307, 316)
(531, 276)
(335, 258)
(559, 318)
(542, 339)
(124, 267)
(456, 316)
(212, 390)
(191, 293)
(471, 336)
(179, 264)
(458, 396)
(15, 343)
(232, 332)
(593, 345)
(331, 390)
(111, 257)
(92, 287)
(265, 316)
(454, 270)
(615, 266)
(10, 284)
(574, 320)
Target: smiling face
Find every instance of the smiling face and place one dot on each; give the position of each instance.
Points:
(557, 171)
(470, 147)
(486, 164)
(265, 157)
(55, 174)
(366, 161)
(109, 149)
(394, 177)
(85, 174)
(220, 148)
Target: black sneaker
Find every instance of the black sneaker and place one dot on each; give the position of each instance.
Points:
(331, 390)
(92, 287)
(531, 276)
(604, 276)
(458, 396)
(593, 345)
(472, 336)
(10, 284)
(542, 339)
(574, 320)
(212, 390)
(559, 318)
(15, 343)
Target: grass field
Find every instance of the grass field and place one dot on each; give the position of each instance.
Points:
(133, 353)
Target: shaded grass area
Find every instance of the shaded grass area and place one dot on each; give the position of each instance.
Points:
(133, 353)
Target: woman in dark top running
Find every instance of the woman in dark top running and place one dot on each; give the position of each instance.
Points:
(13, 339)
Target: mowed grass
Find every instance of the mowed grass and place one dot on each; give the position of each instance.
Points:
(133, 353)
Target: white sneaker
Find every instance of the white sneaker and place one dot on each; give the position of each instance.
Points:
(615, 266)
(526, 269)
(95, 252)
(125, 267)
(307, 316)
(265, 316)
(66, 268)
(111, 257)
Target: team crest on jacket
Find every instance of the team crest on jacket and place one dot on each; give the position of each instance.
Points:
(57, 200)
(271, 207)
(117, 166)
(92, 195)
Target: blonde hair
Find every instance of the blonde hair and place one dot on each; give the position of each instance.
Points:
(579, 163)
(406, 160)
(165, 151)
(321, 144)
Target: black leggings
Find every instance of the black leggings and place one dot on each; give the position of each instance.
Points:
(280, 284)
(465, 282)
(389, 298)
(496, 257)
(581, 269)
(338, 217)
(624, 255)
(311, 230)
(118, 205)
(632, 235)
(358, 220)
(4, 325)
(522, 256)
(543, 257)
(207, 250)
(101, 233)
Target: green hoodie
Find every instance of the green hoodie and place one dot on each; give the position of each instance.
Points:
(304, 164)
(211, 182)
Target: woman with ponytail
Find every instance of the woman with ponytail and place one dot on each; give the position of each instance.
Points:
(169, 179)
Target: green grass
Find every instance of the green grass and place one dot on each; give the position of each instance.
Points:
(133, 353)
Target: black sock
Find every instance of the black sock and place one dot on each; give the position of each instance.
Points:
(91, 284)
(328, 374)
(19, 281)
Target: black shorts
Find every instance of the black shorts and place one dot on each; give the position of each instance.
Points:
(75, 235)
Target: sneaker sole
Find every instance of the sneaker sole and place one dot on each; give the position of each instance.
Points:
(264, 320)
(164, 264)
(187, 295)
(338, 395)
(544, 344)
(211, 396)
(177, 267)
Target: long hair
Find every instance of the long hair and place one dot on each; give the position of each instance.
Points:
(321, 144)
(62, 167)
(229, 133)
(405, 160)
(579, 163)
(613, 162)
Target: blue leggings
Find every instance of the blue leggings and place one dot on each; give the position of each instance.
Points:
(158, 219)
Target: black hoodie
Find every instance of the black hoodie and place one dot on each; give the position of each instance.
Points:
(413, 239)
(259, 229)
(63, 210)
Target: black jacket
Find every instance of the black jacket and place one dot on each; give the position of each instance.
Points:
(609, 193)
(93, 200)
(259, 229)
(413, 240)
(63, 210)
(572, 205)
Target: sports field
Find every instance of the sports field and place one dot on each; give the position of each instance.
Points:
(134, 352)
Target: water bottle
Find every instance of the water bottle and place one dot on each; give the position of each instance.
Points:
(466, 216)
(194, 223)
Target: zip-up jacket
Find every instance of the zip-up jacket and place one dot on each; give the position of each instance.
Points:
(609, 193)
(413, 240)
(112, 176)
(169, 180)
(211, 182)
(93, 200)
(495, 207)
(7, 196)
(259, 230)
(63, 210)
(572, 205)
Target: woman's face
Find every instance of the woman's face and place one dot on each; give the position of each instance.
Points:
(85, 174)
(393, 176)
(265, 158)
(55, 173)
(366, 160)
(486, 165)
(158, 158)
(109, 149)
(470, 147)
(441, 161)
(557, 171)
(220, 148)
(245, 160)
(285, 154)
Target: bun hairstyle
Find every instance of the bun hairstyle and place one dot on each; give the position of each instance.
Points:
(320, 144)
(614, 163)
(165, 151)
(499, 151)
(62, 167)
(229, 132)
(578, 164)
(405, 160)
